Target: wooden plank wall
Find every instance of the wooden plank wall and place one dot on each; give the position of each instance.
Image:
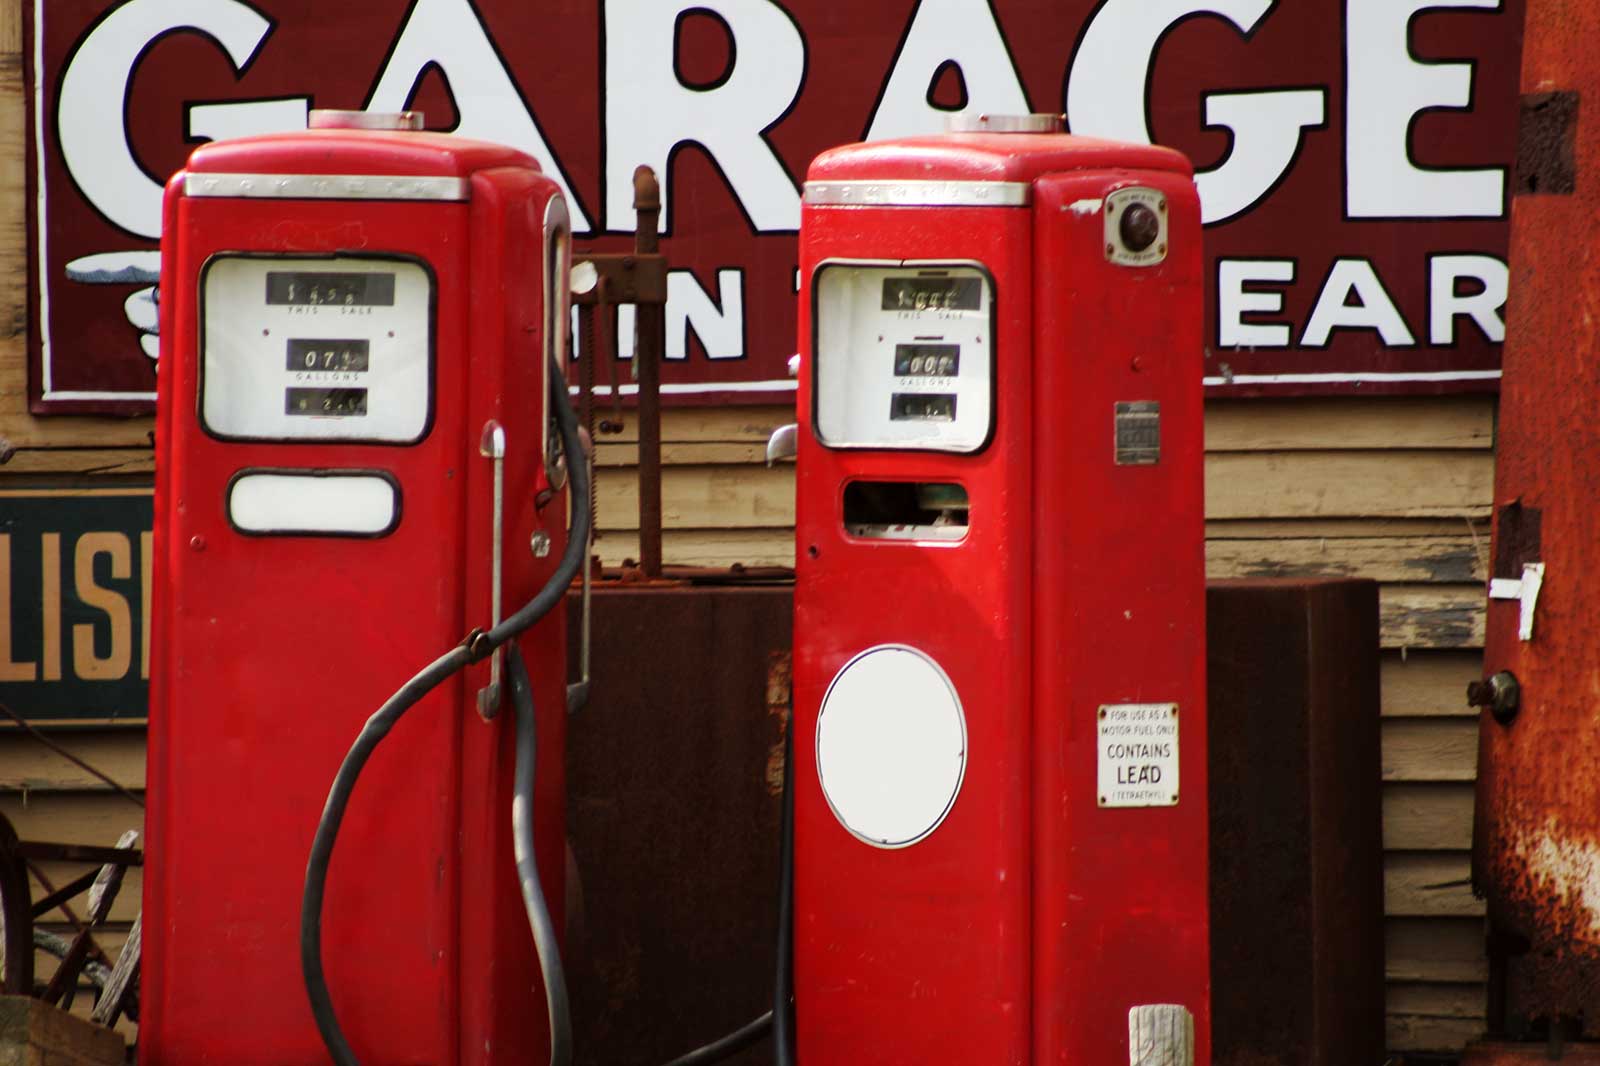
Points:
(1397, 489)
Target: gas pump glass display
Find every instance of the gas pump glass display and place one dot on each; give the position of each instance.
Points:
(316, 349)
(904, 355)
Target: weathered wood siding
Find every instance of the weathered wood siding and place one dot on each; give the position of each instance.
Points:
(1396, 489)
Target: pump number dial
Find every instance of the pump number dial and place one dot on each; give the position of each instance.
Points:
(316, 348)
(903, 355)
(329, 356)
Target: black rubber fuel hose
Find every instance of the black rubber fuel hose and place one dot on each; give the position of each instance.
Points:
(377, 727)
(720, 1049)
(547, 947)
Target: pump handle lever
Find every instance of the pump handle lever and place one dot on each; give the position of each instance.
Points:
(492, 446)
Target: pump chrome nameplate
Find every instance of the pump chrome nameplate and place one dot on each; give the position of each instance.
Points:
(1138, 432)
(919, 193)
(333, 349)
(904, 355)
(328, 187)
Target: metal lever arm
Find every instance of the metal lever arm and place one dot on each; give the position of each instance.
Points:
(493, 447)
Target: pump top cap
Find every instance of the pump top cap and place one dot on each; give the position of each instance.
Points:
(364, 120)
(969, 122)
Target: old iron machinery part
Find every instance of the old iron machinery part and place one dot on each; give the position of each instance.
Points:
(629, 277)
(474, 648)
(649, 344)
(639, 278)
(1501, 693)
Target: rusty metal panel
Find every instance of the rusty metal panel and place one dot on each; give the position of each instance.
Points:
(1536, 840)
(1492, 1053)
(675, 767)
(1296, 826)
(674, 771)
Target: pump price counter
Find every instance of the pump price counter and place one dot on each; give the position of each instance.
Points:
(904, 355)
(315, 349)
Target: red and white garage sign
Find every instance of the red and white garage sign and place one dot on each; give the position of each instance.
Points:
(1353, 155)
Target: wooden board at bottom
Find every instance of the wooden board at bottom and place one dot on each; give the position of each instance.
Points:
(33, 1033)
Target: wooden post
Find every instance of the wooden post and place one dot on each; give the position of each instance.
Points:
(33, 1033)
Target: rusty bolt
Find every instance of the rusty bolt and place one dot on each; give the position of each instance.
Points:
(1500, 693)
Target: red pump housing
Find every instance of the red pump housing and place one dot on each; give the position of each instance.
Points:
(352, 434)
(999, 609)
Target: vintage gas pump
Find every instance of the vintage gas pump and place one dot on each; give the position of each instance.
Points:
(999, 738)
(356, 468)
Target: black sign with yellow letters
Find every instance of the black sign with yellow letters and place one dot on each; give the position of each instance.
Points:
(75, 581)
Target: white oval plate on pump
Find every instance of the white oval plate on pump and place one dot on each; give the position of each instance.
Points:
(891, 746)
(288, 503)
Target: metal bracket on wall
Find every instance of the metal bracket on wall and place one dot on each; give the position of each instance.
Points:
(631, 278)
(1525, 590)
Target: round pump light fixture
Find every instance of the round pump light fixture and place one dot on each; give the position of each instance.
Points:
(1136, 226)
(1140, 226)
(891, 746)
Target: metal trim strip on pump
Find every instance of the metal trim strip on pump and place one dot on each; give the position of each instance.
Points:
(919, 193)
(328, 187)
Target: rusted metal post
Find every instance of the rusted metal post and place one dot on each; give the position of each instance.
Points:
(649, 342)
(1536, 838)
(16, 916)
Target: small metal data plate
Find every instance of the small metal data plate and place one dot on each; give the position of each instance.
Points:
(1117, 249)
(1137, 751)
(1138, 428)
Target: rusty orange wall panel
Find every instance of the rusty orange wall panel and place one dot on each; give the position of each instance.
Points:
(1536, 847)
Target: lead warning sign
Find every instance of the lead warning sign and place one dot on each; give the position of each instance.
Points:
(1138, 750)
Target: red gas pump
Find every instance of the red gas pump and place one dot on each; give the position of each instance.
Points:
(999, 611)
(355, 467)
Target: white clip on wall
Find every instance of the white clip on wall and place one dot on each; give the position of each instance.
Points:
(1525, 590)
